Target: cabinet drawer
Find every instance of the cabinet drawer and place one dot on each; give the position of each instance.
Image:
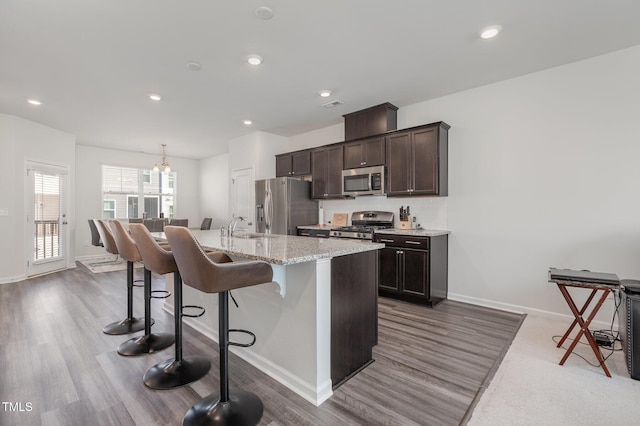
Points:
(406, 241)
(318, 233)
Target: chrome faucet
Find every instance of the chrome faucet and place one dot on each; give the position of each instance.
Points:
(231, 227)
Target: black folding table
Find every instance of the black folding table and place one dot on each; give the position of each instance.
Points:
(594, 281)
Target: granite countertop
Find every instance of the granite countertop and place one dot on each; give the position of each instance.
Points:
(416, 232)
(281, 249)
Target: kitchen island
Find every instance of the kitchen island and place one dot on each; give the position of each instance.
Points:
(316, 323)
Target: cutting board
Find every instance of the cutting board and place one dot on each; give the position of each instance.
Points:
(340, 219)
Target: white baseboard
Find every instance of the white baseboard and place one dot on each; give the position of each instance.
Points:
(9, 280)
(518, 309)
(293, 382)
(94, 257)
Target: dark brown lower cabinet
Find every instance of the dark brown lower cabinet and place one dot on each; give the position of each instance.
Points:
(354, 313)
(413, 268)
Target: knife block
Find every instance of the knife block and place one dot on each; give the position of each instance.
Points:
(406, 224)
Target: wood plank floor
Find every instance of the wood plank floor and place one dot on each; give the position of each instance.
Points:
(429, 366)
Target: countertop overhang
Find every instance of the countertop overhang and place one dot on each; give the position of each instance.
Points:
(280, 249)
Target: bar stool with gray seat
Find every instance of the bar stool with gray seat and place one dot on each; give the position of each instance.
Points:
(127, 250)
(199, 271)
(149, 342)
(179, 371)
(129, 324)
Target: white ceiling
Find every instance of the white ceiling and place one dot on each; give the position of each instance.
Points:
(92, 62)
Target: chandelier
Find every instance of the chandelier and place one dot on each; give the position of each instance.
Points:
(165, 164)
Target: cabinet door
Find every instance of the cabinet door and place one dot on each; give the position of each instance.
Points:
(398, 163)
(301, 163)
(374, 150)
(353, 155)
(333, 187)
(283, 165)
(319, 173)
(425, 162)
(389, 269)
(416, 272)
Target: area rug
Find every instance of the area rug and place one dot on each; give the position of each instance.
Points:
(107, 264)
(530, 388)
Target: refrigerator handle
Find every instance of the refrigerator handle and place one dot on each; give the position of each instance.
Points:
(268, 210)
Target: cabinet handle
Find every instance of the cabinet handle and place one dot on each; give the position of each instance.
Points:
(382, 240)
(413, 242)
(304, 234)
(326, 195)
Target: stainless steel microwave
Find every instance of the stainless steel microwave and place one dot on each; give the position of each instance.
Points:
(363, 181)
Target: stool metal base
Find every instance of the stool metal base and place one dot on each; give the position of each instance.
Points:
(146, 344)
(172, 374)
(242, 409)
(126, 326)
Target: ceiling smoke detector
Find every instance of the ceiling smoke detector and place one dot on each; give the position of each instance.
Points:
(264, 12)
(193, 66)
(333, 103)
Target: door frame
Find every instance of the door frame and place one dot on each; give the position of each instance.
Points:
(250, 223)
(39, 267)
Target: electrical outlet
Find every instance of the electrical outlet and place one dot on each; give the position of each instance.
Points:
(4, 211)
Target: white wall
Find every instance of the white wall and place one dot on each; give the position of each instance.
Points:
(543, 171)
(314, 138)
(214, 189)
(89, 162)
(256, 150)
(23, 140)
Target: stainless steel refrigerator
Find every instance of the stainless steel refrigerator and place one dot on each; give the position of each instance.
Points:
(283, 204)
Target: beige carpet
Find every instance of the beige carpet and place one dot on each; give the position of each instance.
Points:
(530, 388)
(106, 264)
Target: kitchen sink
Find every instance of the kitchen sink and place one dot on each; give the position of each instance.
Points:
(254, 236)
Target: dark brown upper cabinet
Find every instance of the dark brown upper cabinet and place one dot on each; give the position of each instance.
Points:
(371, 121)
(326, 172)
(293, 164)
(364, 153)
(417, 161)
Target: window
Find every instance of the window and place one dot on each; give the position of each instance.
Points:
(109, 209)
(130, 193)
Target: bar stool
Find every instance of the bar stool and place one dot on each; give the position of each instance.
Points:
(149, 342)
(179, 371)
(129, 324)
(202, 273)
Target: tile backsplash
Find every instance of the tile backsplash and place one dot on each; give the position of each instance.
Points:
(430, 212)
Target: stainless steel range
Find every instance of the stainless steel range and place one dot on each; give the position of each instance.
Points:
(363, 225)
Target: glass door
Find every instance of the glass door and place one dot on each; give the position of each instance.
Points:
(47, 236)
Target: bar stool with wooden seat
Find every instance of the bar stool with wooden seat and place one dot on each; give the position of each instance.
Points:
(149, 342)
(199, 271)
(129, 324)
(179, 371)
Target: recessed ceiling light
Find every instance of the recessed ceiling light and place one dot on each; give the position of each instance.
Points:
(194, 66)
(490, 32)
(325, 93)
(254, 60)
(155, 97)
(264, 12)
(248, 122)
(34, 102)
